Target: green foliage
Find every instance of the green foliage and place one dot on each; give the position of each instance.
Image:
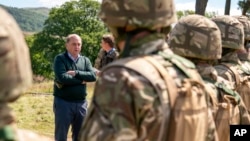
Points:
(184, 13)
(244, 5)
(80, 17)
(189, 12)
(29, 19)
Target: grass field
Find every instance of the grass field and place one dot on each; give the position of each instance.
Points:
(34, 109)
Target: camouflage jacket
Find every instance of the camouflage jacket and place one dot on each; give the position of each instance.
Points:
(235, 64)
(125, 106)
(239, 114)
(238, 75)
(104, 58)
(245, 60)
(97, 64)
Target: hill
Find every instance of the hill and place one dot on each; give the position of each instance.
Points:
(29, 19)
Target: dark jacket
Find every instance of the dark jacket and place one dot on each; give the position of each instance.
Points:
(108, 57)
(68, 87)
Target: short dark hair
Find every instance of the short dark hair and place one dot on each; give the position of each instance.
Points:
(108, 38)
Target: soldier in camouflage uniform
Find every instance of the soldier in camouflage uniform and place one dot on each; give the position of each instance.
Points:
(100, 55)
(15, 77)
(244, 57)
(107, 53)
(198, 39)
(230, 67)
(142, 95)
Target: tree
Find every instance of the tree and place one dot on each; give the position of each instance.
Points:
(78, 17)
(227, 7)
(189, 12)
(200, 7)
(244, 5)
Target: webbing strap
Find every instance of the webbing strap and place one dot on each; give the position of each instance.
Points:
(169, 93)
(235, 73)
(228, 91)
(172, 89)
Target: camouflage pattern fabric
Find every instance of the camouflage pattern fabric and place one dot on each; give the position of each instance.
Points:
(150, 14)
(196, 35)
(246, 23)
(228, 107)
(244, 70)
(104, 58)
(100, 55)
(232, 31)
(244, 57)
(237, 74)
(198, 38)
(223, 71)
(15, 77)
(132, 109)
(126, 105)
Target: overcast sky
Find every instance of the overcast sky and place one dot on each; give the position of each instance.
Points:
(213, 5)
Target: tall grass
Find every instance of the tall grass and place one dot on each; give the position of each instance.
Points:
(34, 109)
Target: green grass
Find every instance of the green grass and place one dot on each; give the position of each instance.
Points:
(34, 110)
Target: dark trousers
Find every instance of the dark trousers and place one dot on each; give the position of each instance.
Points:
(66, 114)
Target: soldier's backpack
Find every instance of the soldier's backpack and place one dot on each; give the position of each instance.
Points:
(242, 79)
(186, 115)
(227, 108)
(244, 89)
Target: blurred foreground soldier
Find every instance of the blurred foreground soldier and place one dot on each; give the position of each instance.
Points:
(15, 77)
(198, 39)
(244, 57)
(230, 67)
(149, 93)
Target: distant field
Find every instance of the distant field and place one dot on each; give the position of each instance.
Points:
(33, 110)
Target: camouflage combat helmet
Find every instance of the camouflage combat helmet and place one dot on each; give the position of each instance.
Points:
(14, 59)
(134, 14)
(246, 23)
(196, 36)
(232, 31)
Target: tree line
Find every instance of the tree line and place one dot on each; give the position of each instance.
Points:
(29, 19)
(80, 17)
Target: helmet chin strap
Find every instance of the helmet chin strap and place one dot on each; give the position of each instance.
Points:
(126, 50)
(129, 36)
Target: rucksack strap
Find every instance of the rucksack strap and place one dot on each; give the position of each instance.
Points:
(168, 79)
(235, 73)
(228, 91)
(153, 72)
(171, 88)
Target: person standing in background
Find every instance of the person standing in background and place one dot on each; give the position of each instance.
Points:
(72, 72)
(244, 56)
(107, 53)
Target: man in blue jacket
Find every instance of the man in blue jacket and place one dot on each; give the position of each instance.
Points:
(72, 71)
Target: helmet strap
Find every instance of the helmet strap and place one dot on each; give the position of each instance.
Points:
(125, 52)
